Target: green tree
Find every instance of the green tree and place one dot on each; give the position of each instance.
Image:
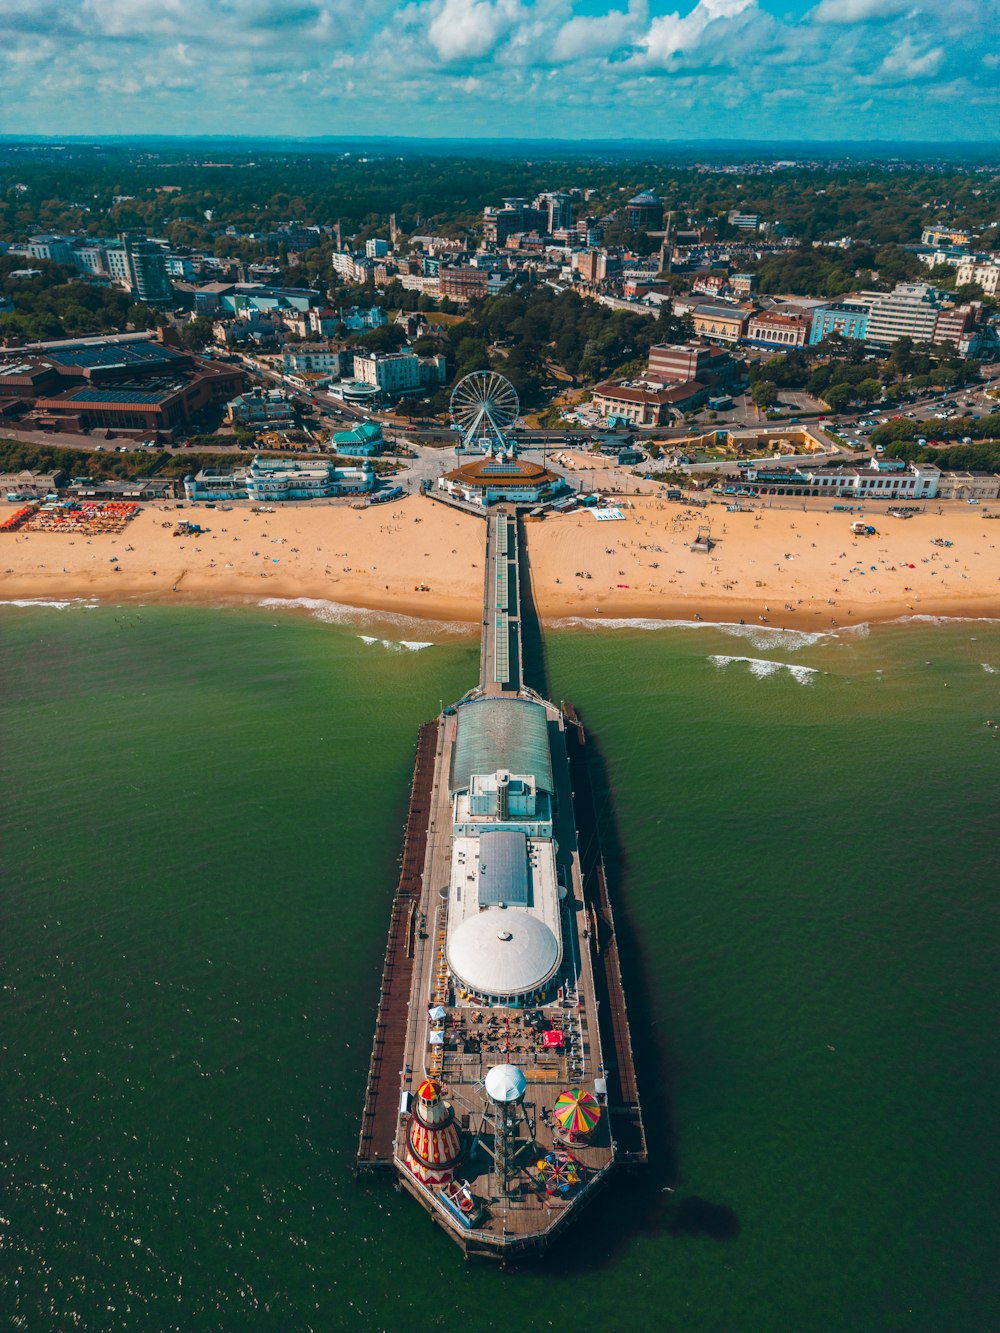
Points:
(764, 393)
(196, 333)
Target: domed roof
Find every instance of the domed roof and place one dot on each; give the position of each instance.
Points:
(509, 470)
(505, 1083)
(429, 1091)
(503, 951)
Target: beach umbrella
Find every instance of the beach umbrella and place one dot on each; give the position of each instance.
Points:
(577, 1112)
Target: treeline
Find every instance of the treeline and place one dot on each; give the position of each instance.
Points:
(20, 455)
(807, 271)
(838, 371)
(59, 304)
(534, 332)
(104, 190)
(905, 431)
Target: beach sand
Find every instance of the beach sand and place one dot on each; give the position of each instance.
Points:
(785, 566)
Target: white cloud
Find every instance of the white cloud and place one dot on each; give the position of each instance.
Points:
(582, 38)
(673, 34)
(467, 29)
(906, 61)
(858, 11)
(467, 67)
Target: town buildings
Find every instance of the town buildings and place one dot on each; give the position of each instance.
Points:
(771, 329)
(262, 409)
(139, 387)
(984, 274)
(644, 212)
(910, 310)
(847, 318)
(724, 323)
(881, 479)
(679, 363)
(362, 441)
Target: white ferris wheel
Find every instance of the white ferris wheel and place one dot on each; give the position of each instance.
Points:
(484, 406)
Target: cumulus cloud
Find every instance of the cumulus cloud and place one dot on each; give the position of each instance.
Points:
(468, 29)
(859, 11)
(582, 37)
(467, 67)
(673, 34)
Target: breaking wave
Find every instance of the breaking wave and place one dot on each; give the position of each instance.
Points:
(766, 666)
(85, 603)
(396, 645)
(338, 613)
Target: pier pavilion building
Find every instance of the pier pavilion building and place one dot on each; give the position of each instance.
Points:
(501, 475)
(505, 935)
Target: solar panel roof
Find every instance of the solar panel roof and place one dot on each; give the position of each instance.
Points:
(109, 356)
(116, 396)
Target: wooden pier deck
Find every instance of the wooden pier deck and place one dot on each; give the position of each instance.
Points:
(381, 1113)
(587, 1004)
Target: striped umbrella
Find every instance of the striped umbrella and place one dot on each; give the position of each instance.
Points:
(577, 1112)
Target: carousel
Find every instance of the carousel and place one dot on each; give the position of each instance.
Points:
(576, 1116)
(433, 1143)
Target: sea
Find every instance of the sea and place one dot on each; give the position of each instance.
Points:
(201, 819)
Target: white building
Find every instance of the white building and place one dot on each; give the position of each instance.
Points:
(391, 373)
(910, 310)
(882, 479)
(985, 275)
(275, 479)
(299, 357)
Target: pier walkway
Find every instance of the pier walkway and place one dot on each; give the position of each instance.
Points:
(501, 660)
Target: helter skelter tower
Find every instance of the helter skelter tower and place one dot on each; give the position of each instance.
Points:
(503, 1115)
(433, 1143)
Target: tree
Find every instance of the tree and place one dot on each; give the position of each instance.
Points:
(196, 333)
(764, 393)
(837, 396)
(868, 390)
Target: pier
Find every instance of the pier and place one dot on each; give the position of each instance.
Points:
(502, 964)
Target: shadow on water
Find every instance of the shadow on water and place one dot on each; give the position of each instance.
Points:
(637, 1199)
(640, 1199)
(532, 644)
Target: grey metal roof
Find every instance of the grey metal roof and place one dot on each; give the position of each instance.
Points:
(503, 869)
(494, 734)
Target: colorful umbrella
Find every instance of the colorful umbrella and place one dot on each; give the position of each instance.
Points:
(577, 1112)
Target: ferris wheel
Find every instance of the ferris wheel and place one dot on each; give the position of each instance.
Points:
(483, 406)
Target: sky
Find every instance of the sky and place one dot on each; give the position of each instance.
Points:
(559, 69)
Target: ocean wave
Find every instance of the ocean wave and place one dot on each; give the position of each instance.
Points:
(338, 613)
(84, 603)
(396, 645)
(766, 666)
(761, 636)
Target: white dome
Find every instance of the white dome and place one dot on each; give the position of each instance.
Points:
(503, 952)
(505, 1083)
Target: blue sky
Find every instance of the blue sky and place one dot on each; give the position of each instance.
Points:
(834, 69)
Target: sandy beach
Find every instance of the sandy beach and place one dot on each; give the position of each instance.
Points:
(421, 558)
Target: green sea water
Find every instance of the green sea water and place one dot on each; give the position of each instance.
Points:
(201, 819)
